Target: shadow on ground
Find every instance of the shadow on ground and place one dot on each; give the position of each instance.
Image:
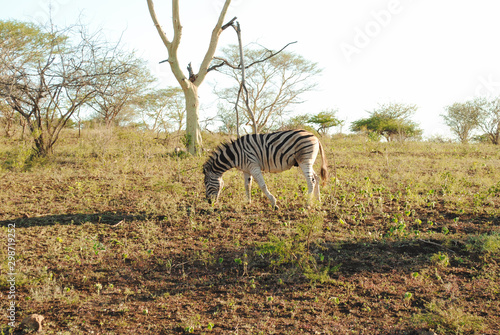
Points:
(110, 218)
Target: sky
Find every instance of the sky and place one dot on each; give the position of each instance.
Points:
(422, 52)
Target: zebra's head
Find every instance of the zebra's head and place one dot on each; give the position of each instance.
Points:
(213, 186)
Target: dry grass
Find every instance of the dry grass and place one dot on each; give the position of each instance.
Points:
(113, 235)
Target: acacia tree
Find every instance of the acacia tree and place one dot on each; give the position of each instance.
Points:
(391, 121)
(325, 120)
(272, 85)
(463, 118)
(190, 83)
(489, 118)
(115, 93)
(20, 45)
(49, 74)
(226, 115)
(162, 109)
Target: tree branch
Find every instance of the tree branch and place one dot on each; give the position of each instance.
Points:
(243, 85)
(272, 54)
(212, 46)
(171, 46)
(162, 34)
(176, 22)
(230, 23)
(225, 62)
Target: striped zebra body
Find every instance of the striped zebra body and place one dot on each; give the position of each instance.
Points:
(273, 152)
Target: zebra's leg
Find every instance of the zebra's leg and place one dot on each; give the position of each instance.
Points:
(248, 185)
(311, 179)
(259, 179)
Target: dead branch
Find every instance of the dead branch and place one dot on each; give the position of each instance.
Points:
(192, 76)
(230, 23)
(238, 67)
(243, 86)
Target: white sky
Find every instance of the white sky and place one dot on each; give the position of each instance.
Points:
(423, 52)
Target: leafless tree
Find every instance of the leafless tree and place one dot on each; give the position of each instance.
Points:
(273, 85)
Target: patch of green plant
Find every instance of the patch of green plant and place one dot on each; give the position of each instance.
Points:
(21, 158)
(398, 228)
(282, 250)
(495, 189)
(205, 257)
(440, 259)
(484, 244)
(320, 274)
(186, 140)
(295, 249)
(191, 323)
(46, 287)
(446, 318)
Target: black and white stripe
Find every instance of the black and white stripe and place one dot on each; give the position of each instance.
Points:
(274, 152)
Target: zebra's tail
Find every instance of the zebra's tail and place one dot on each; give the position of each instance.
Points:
(324, 166)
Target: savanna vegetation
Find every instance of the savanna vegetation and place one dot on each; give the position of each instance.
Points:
(113, 236)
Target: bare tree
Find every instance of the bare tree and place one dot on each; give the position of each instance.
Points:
(462, 118)
(49, 74)
(273, 85)
(190, 83)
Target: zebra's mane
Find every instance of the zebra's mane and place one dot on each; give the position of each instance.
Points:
(207, 166)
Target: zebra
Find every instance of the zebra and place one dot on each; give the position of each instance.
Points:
(257, 153)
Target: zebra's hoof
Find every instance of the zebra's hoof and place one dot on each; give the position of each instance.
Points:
(276, 208)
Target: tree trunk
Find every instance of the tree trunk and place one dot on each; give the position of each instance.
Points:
(42, 147)
(193, 132)
(41, 150)
(495, 137)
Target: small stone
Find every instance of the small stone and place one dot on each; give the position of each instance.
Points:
(32, 322)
